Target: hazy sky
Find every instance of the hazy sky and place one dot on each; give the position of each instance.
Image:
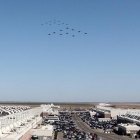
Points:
(104, 65)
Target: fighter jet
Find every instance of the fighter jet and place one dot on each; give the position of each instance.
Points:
(64, 30)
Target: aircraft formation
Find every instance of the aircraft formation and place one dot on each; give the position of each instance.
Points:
(61, 28)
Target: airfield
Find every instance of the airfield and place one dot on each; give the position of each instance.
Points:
(62, 121)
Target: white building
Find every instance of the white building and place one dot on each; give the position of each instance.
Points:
(50, 109)
(114, 112)
(128, 128)
(44, 132)
(14, 126)
(132, 116)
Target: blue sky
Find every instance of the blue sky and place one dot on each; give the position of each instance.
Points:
(103, 66)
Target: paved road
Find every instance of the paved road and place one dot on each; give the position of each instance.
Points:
(60, 136)
(84, 127)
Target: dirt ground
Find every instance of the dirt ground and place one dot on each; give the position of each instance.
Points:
(128, 106)
(76, 106)
(72, 106)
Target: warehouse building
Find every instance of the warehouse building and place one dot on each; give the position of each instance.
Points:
(43, 133)
(128, 129)
(16, 121)
(132, 116)
(108, 111)
(15, 125)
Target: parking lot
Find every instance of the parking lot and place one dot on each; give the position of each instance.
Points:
(75, 126)
(70, 129)
(103, 129)
(93, 122)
